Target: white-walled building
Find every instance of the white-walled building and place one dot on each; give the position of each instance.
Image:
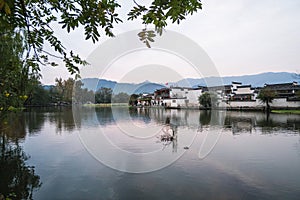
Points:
(232, 96)
(244, 93)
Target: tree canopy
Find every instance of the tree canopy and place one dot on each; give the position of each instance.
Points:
(103, 95)
(208, 100)
(17, 78)
(266, 96)
(35, 19)
(26, 27)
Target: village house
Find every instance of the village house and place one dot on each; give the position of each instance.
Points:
(284, 90)
(223, 92)
(233, 96)
(287, 95)
(177, 97)
(244, 93)
(145, 100)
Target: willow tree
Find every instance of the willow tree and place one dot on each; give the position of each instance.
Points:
(16, 75)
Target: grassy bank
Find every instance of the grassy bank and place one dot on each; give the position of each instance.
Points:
(286, 111)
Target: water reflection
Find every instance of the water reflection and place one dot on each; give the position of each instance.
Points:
(18, 179)
(247, 122)
(205, 117)
(237, 122)
(31, 122)
(61, 117)
(251, 169)
(64, 119)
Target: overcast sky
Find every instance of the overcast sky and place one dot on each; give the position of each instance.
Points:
(240, 36)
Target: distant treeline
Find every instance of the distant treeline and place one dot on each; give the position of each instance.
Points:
(67, 92)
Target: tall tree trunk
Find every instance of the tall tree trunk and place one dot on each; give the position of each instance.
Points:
(268, 107)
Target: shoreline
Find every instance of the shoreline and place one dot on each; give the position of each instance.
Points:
(276, 110)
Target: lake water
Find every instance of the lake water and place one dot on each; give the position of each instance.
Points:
(104, 153)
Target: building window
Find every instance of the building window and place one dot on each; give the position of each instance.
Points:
(173, 101)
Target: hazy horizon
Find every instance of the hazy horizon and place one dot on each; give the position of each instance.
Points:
(170, 82)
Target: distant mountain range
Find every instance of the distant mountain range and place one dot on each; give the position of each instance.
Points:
(257, 80)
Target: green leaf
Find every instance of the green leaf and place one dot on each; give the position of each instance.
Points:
(7, 9)
(150, 39)
(147, 44)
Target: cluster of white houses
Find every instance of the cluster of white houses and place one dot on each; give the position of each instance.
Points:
(233, 96)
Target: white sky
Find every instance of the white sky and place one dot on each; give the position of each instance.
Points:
(240, 36)
(145, 65)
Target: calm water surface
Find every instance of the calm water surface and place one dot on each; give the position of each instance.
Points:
(47, 154)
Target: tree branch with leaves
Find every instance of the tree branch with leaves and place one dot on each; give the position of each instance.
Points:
(31, 23)
(35, 19)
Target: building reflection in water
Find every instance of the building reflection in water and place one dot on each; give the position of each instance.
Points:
(237, 122)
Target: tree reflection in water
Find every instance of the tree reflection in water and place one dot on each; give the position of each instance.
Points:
(18, 180)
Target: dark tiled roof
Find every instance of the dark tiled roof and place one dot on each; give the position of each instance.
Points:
(195, 88)
(282, 86)
(243, 86)
(177, 87)
(162, 89)
(221, 87)
(242, 95)
(234, 82)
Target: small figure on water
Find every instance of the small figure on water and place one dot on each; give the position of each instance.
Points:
(168, 132)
